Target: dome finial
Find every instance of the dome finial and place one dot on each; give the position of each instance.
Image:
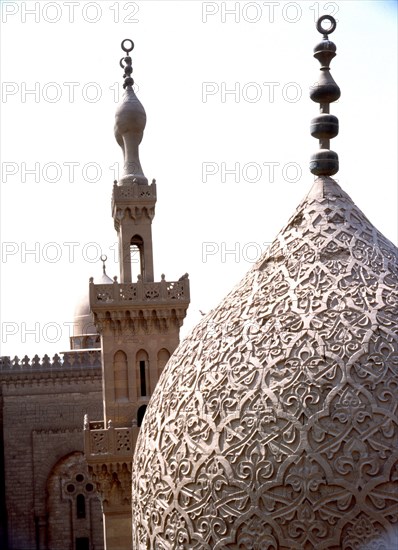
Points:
(103, 259)
(128, 69)
(105, 280)
(325, 126)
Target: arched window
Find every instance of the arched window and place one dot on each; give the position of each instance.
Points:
(143, 378)
(67, 480)
(142, 373)
(163, 357)
(137, 257)
(120, 376)
(80, 507)
(140, 415)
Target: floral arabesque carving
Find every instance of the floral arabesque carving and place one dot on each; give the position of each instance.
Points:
(274, 424)
(113, 483)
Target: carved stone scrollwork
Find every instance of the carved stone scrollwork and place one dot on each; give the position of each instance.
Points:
(274, 426)
(128, 292)
(152, 291)
(175, 290)
(99, 442)
(113, 483)
(124, 443)
(108, 441)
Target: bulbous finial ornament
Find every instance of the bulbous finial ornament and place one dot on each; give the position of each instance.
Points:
(325, 126)
(130, 123)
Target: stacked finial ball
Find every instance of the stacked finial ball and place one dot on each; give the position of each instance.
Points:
(325, 126)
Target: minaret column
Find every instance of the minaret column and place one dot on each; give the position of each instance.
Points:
(133, 209)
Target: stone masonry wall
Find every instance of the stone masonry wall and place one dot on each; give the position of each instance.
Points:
(42, 423)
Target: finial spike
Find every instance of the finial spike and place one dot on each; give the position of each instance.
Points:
(128, 69)
(103, 259)
(325, 126)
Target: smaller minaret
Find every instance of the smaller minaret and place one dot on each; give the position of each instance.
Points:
(325, 126)
(139, 322)
(133, 200)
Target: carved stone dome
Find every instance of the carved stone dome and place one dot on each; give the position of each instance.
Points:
(274, 424)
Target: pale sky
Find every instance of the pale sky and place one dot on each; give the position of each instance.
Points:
(225, 87)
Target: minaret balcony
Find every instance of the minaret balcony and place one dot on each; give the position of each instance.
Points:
(102, 443)
(136, 198)
(140, 193)
(123, 295)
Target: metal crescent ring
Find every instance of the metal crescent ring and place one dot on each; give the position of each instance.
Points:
(125, 48)
(332, 22)
(103, 258)
(121, 64)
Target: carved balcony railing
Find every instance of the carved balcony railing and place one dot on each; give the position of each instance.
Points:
(136, 192)
(165, 292)
(108, 444)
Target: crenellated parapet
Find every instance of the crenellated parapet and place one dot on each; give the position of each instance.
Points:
(67, 360)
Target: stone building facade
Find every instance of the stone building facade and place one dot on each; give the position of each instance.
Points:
(48, 500)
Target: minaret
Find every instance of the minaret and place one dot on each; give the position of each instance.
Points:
(139, 323)
(133, 201)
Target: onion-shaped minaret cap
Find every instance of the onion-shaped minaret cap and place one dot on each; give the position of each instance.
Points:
(130, 123)
(325, 126)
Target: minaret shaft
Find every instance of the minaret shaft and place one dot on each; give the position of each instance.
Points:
(133, 209)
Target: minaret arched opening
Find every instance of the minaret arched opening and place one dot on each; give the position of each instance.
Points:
(137, 257)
